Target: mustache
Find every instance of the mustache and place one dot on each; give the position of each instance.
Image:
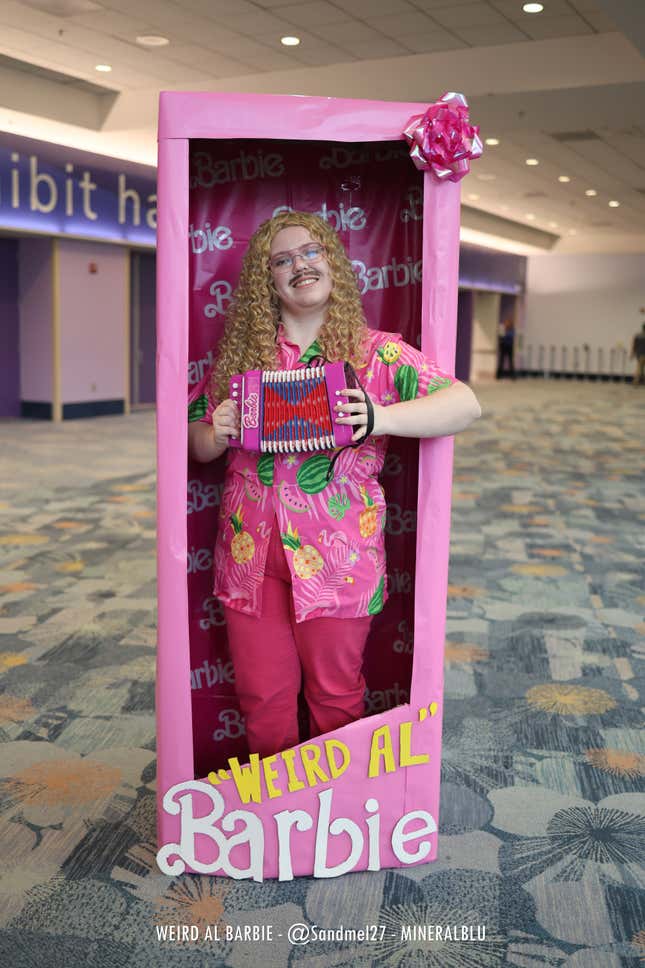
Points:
(304, 274)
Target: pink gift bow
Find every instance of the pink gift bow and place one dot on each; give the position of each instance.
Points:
(442, 140)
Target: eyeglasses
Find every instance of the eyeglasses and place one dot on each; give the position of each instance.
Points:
(310, 252)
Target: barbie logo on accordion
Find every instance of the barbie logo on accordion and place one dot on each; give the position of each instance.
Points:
(251, 416)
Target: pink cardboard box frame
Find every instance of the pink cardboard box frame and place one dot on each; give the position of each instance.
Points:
(411, 790)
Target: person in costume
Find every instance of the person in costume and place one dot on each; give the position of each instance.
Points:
(299, 558)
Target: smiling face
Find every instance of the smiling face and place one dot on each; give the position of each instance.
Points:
(306, 286)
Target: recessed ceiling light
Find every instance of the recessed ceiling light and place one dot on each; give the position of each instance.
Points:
(103, 68)
(533, 7)
(152, 40)
(532, 161)
(590, 192)
(473, 197)
(613, 203)
(564, 178)
(290, 41)
(530, 216)
(553, 225)
(492, 142)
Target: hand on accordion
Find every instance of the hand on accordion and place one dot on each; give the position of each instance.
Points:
(226, 421)
(354, 412)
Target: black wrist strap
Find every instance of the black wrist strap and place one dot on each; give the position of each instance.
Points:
(351, 377)
(352, 381)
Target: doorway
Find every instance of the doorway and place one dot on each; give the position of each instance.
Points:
(10, 329)
(143, 334)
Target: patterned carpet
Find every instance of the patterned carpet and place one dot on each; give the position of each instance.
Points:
(543, 808)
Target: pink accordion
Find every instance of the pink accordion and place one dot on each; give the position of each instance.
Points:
(288, 411)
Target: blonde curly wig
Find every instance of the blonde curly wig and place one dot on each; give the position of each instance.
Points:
(249, 340)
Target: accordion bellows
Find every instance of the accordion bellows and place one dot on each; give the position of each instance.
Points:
(289, 411)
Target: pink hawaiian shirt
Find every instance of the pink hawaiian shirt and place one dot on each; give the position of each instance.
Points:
(332, 532)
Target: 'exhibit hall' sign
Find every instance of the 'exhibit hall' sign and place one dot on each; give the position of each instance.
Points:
(52, 189)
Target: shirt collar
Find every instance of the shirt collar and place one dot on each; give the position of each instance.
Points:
(282, 340)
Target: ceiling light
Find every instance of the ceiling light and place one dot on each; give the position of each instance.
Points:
(533, 7)
(103, 68)
(473, 197)
(152, 40)
(485, 176)
(563, 178)
(590, 192)
(613, 203)
(290, 41)
(532, 161)
(492, 142)
(553, 225)
(530, 216)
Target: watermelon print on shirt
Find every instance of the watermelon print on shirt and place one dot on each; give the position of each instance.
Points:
(332, 532)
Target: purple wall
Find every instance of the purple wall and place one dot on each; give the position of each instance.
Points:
(481, 268)
(9, 330)
(465, 306)
(36, 334)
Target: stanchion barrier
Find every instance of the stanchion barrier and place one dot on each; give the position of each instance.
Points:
(575, 361)
(552, 351)
(623, 360)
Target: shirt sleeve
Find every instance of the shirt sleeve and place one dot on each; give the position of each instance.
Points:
(405, 373)
(200, 401)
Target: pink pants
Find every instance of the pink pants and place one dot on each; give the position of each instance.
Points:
(271, 652)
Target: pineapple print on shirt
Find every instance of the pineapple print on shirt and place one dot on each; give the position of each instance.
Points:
(242, 545)
(307, 561)
(367, 520)
(389, 353)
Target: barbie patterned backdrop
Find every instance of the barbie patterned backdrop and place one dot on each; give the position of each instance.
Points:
(372, 195)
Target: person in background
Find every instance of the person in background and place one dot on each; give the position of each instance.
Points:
(638, 353)
(506, 341)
